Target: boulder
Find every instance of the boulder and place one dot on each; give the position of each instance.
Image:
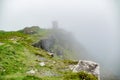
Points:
(31, 72)
(88, 66)
(42, 64)
(31, 30)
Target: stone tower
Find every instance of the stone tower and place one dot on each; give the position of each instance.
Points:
(55, 24)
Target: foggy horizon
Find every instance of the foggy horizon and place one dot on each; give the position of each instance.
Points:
(95, 23)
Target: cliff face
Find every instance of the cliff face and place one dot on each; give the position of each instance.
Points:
(45, 44)
(59, 42)
(20, 60)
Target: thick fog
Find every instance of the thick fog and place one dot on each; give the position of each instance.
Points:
(93, 22)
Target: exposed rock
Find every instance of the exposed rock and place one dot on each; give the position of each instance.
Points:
(42, 64)
(31, 30)
(45, 44)
(48, 44)
(1, 43)
(71, 67)
(31, 72)
(60, 43)
(51, 54)
(88, 66)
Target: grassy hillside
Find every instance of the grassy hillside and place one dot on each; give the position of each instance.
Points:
(19, 60)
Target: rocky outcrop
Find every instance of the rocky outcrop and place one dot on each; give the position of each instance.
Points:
(31, 30)
(61, 43)
(88, 66)
(45, 44)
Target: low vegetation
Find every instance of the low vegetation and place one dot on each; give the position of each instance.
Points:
(18, 57)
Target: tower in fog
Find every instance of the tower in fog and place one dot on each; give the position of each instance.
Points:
(54, 24)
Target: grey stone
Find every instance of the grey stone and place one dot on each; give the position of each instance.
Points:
(88, 66)
(31, 72)
(1, 43)
(42, 64)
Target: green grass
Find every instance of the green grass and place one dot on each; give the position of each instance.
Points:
(10, 35)
(17, 56)
(79, 76)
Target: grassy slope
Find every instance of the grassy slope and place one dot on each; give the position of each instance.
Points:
(17, 57)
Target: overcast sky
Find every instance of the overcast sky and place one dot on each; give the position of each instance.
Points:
(94, 22)
(16, 14)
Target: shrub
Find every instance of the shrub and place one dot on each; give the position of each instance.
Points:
(28, 77)
(79, 76)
